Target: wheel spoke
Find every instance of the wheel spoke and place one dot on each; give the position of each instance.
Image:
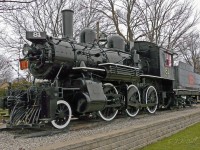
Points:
(62, 115)
(151, 97)
(109, 113)
(133, 98)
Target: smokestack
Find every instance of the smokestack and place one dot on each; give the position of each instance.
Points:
(67, 18)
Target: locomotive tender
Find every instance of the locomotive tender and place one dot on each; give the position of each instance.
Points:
(101, 77)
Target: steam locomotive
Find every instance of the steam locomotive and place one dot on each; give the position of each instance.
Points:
(101, 77)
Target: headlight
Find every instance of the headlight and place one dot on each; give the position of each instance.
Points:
(25, 49)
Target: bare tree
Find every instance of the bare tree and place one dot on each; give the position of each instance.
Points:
(122, 15)
(7, 5)
(87, 17)
(189, 49)
(166, 21)
(45, 15)
(38, 16)
(5, 69)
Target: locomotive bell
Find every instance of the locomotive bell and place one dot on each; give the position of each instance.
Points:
(67, 19)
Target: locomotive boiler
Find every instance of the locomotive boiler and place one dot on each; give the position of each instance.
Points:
(96, 76)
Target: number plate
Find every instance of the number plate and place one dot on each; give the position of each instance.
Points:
(36, 36)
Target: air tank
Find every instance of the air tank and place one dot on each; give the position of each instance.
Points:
(116, 42)
(88, 36)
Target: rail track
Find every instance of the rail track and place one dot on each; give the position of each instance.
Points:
(76, 124)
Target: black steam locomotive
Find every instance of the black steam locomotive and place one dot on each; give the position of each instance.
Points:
(100, 77)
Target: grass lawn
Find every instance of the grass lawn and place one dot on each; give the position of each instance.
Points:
(188, 139)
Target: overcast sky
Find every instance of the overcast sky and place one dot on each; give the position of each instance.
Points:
(197, 4)
(197, 7)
